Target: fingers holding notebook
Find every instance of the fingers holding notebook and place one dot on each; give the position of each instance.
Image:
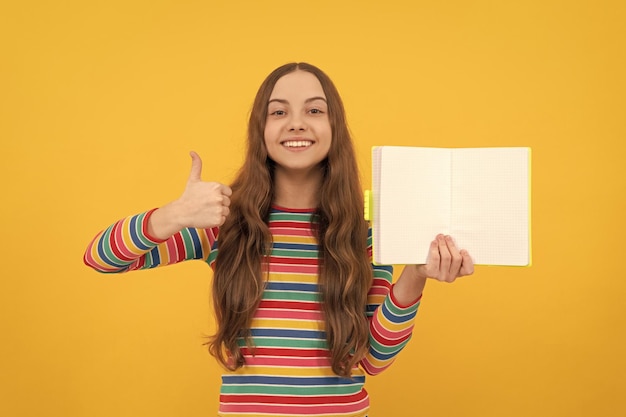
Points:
(446, 262)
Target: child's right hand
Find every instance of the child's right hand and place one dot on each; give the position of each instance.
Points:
(202, 205)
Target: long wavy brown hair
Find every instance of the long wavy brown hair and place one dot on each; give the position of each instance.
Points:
(245, 240)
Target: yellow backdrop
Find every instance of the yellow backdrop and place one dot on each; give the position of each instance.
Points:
(100, 103)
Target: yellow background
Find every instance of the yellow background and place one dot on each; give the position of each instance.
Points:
(100, 102)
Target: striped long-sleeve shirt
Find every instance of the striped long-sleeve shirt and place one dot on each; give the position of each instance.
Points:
(290, 372)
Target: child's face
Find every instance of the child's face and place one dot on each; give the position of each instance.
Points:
(297, 129)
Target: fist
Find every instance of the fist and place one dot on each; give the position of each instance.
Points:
(203, 204)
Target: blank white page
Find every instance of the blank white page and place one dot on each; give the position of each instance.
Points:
(411, 196)
(491, 204)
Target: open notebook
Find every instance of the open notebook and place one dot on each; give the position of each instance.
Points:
(479, 196)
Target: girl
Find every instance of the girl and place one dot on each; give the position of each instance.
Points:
(302, 314)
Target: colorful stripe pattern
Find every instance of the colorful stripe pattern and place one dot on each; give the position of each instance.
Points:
(288, 372)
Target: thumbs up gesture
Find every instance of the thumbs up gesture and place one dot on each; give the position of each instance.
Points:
(202, 205)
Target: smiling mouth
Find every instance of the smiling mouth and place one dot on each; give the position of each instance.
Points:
(297, 143)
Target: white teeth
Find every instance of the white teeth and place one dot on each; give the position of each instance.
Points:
(297, 143)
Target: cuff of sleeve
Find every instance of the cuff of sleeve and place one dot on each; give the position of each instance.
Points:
(400, 305)
(144, 228)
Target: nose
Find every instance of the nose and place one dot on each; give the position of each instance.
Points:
(296, 123)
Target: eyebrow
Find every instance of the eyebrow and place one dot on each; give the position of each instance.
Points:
(308, 100)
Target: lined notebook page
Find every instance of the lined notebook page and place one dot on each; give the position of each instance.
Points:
(490, 204)
(480, 196)
(411, 201)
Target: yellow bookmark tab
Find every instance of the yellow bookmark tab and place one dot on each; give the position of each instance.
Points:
(367, 205)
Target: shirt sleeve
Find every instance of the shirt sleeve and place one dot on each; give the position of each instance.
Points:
(391, 324)
(126, 245)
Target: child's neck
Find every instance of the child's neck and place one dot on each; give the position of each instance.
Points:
(297, 190)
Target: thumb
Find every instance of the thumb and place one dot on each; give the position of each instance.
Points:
(196, 167)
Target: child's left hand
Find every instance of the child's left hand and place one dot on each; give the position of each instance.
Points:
(445, 262)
